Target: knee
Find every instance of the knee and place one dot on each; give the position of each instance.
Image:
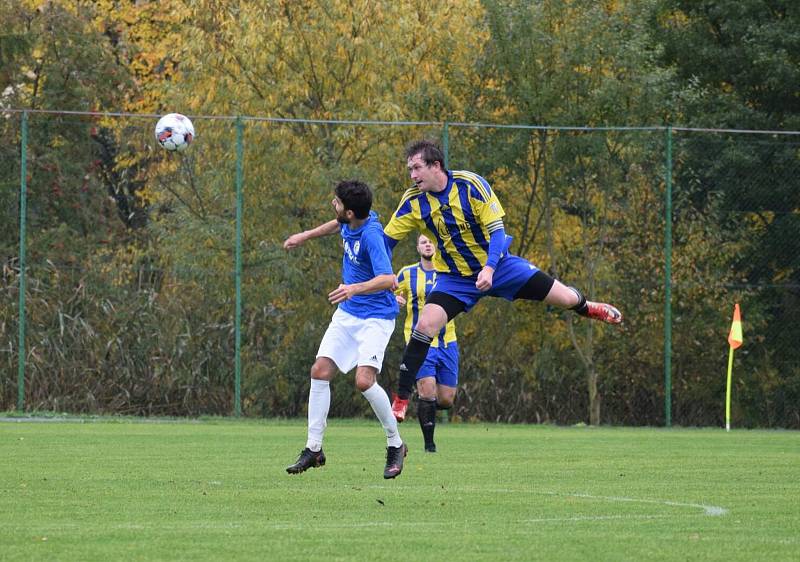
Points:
(445, 397)
(426, 388)
(321, 371)
(364, 380)
(430, 326)
(432, 319)
(563, 296)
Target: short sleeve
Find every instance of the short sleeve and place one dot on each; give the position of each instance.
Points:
(372, 240)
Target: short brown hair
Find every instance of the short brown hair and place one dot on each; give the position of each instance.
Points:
(429, 151)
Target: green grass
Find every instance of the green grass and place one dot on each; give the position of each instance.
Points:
(216, 490)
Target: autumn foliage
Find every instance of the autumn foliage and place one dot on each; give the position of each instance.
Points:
(131, 251)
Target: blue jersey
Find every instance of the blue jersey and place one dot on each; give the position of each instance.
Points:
(365, 257)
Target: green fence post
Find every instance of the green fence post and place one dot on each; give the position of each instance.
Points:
(23, 211)
(668, 282)
(446, 146)
(238, 275)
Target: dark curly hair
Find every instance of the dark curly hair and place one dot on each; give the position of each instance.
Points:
(356, 196)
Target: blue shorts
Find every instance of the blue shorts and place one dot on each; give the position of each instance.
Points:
(442, 363)
(510, 276)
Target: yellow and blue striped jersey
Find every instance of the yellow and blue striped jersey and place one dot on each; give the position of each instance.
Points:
(414, 284)
(459, 218)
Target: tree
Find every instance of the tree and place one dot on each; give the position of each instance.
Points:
(737, 65)
(358, 60)
(573, 63)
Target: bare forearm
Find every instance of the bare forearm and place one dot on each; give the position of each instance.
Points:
(325, 229)
(379, 283)
(344, 292)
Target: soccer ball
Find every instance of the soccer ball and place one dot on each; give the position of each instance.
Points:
(174, 132)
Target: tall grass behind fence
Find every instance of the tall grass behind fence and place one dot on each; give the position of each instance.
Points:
(137, 259)
(9, 238)
(113, 322)
(291, 169)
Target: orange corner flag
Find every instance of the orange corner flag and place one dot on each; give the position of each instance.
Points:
(735, 336)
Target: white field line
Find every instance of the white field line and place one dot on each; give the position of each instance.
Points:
(590, 518)
(710, 510)
(287, 525)
(301, 525)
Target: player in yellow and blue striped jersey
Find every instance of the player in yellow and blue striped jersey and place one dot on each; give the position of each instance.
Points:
(437, 378)
(461, 213)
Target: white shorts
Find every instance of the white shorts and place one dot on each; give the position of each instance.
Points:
(350, 341)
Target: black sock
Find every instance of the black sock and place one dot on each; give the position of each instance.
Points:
(426, 413)
(413, 358)
(581, 308)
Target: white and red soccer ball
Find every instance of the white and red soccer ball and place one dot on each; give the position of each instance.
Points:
(174, 132)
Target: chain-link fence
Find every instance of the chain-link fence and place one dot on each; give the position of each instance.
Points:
(156, 282)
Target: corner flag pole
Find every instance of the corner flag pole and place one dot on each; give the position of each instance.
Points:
(734, 341)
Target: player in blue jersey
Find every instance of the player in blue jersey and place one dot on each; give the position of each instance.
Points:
(437, 379)
(361, 325)
(459, 210)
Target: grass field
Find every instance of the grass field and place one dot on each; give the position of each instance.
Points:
(216, 490)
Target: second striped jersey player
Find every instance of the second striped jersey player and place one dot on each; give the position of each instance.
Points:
(437, 378)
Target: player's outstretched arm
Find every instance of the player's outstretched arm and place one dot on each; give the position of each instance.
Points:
(298, 239)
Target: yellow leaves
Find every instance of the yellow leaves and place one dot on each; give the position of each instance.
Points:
(318, 58)
(147, 37)
(146, 196)
(120, 264)
(389, 111)
(125, 160)
(674, 19)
